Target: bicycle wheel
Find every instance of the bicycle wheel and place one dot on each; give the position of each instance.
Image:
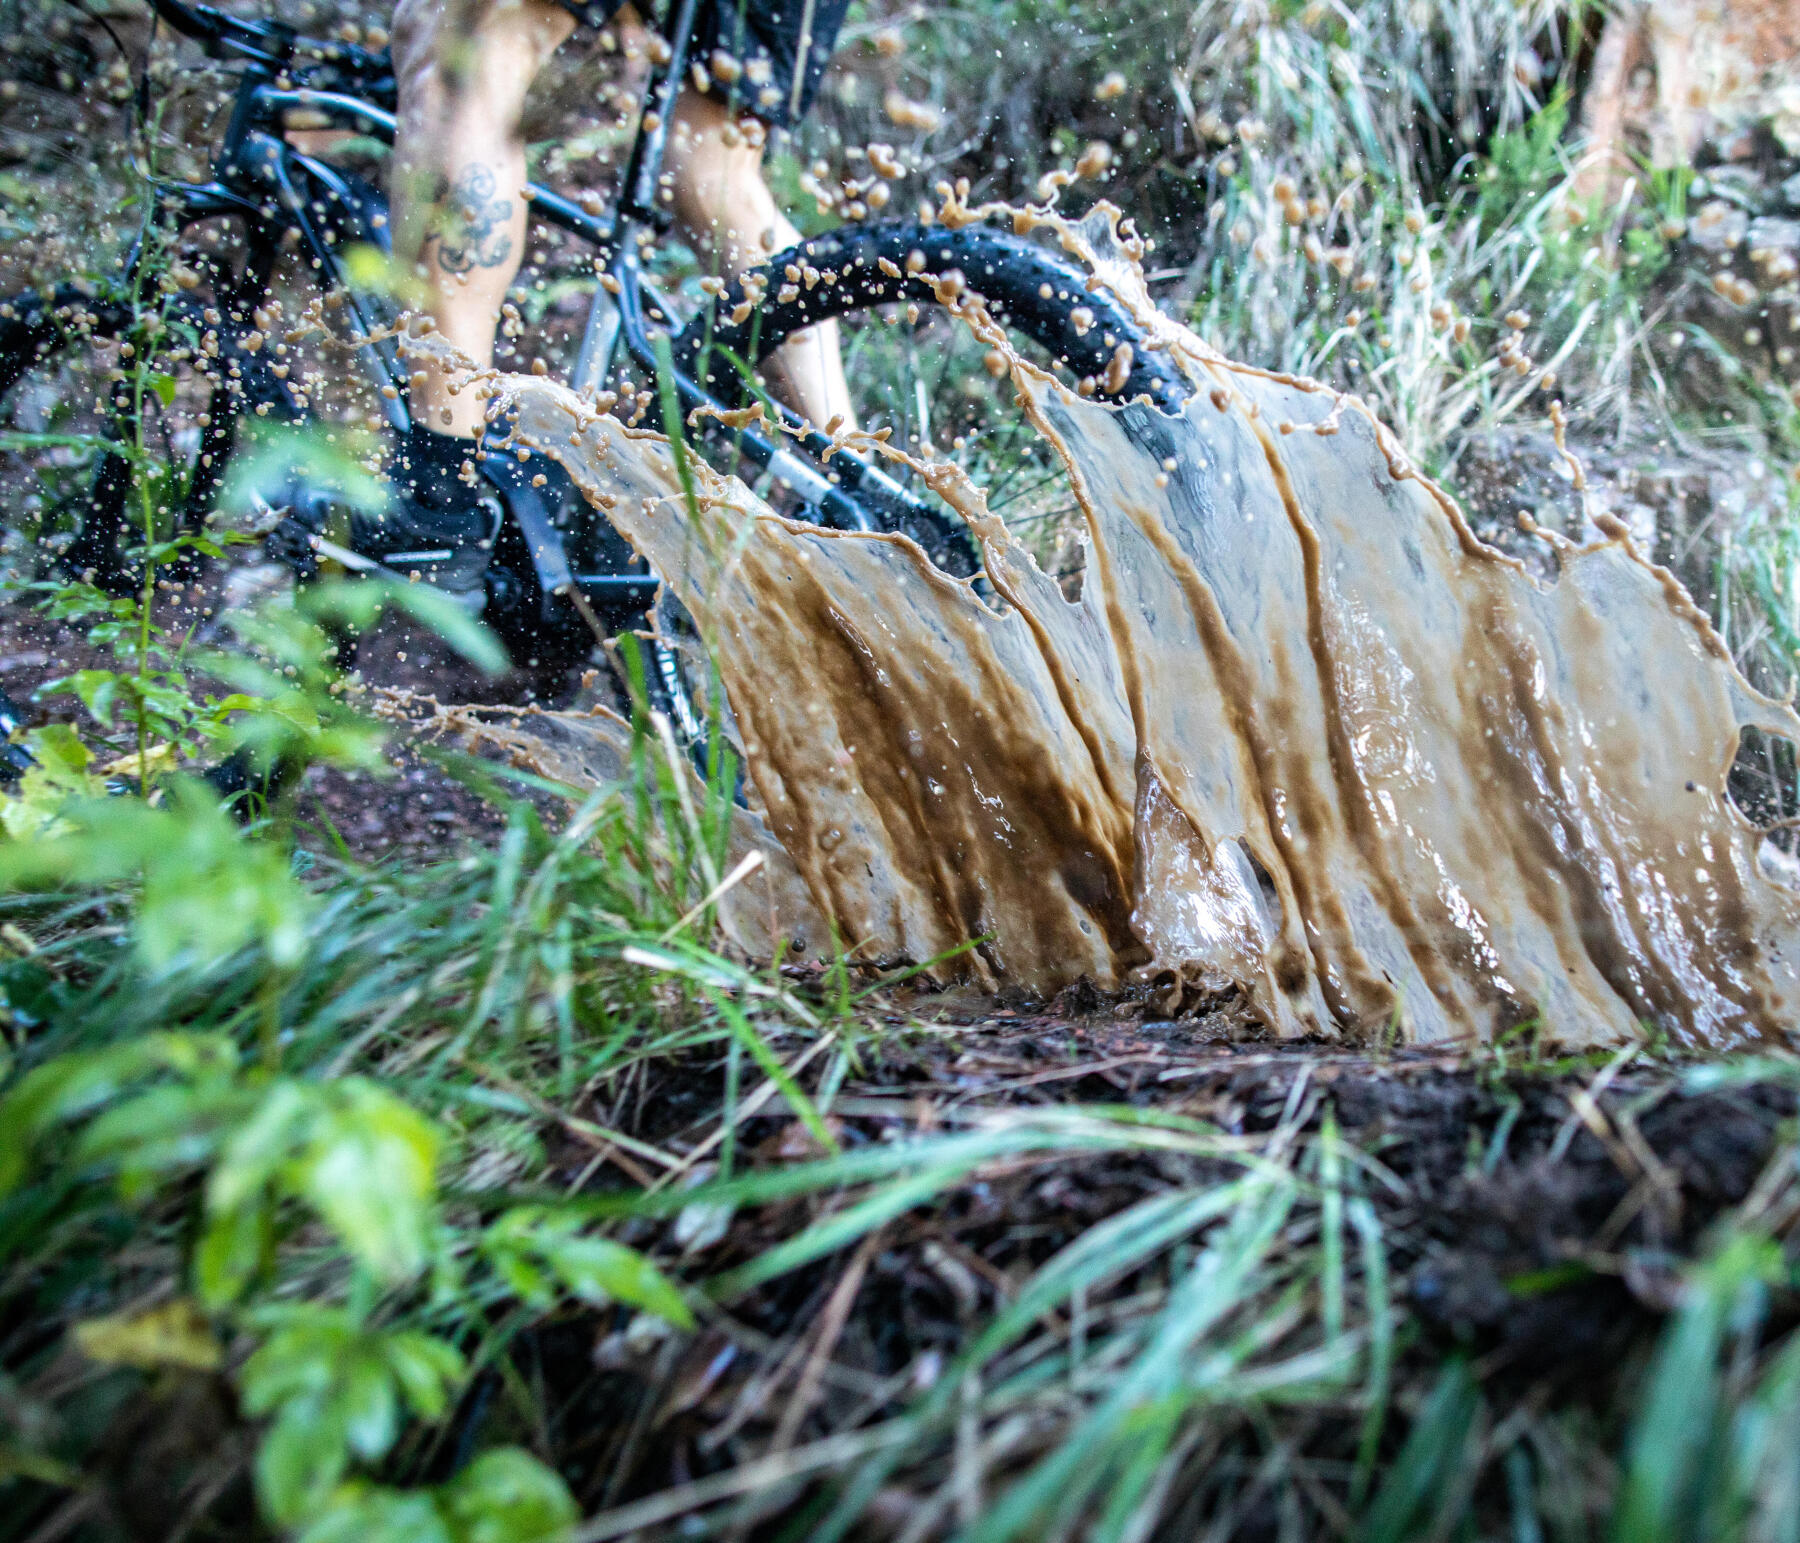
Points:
(917, 370)
(118, 417)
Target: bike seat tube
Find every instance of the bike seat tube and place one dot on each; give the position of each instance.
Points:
(648, 150)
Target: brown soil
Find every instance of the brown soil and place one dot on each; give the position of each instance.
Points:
(1534, 1219)
(419, 810)
(1537, 1219)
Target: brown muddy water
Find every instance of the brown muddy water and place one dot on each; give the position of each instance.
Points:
(1302, 735)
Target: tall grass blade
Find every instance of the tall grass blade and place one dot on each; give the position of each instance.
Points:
(1220, 1280)
(1381, 1343)
(1429, 1463)
(1675, 1438)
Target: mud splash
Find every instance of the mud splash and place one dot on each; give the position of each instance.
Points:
(1303, 735)
(762, 904)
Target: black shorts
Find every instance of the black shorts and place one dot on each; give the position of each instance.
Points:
(764, 37)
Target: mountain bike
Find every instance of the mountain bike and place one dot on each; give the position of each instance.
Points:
(76, 429)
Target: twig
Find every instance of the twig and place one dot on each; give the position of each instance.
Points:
(70, 1514)
(1061, 1074)
(776, 1468)
(752, 861)
(1583, 1101)
(831, 1329)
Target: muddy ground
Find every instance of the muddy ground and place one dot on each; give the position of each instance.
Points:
(1495, 1169)
(1536, 1219)
(1537, 1214)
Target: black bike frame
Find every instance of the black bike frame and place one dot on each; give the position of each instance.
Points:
(261, 178)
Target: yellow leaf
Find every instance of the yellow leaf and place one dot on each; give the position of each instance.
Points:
(174, 1334)
(371, 271)
(161, 758)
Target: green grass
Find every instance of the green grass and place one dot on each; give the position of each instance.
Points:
(1231, 1336)
(336, 1171)
(490, 1198)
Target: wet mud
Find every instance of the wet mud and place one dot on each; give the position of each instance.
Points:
(1303, 737)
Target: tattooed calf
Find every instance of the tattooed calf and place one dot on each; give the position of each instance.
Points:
(472, 233)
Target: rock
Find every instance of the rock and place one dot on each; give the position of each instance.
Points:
(1738, 185)
(1510, 472)
(1770, 232)
(1718, 226)
(1672, 76)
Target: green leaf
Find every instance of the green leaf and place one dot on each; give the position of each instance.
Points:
(524, 1277)
(302, 1455)
(272, 461)
(72, 1086)
(61, 770)
(371, 1410)
(371, 271)
(222, 897)
(98, 691)
(598, 1270)
(172, 1128)
(530, 1243)
(57, 747)
(335, 1389)
(256, 1151)
(369, 1170)
(209, 887)
(433, 608)
(508, 1496)
(425, 1367)
(299, 1360)
(361, 1158)
(233, 1245)
(504, 1496)
(368, 1513)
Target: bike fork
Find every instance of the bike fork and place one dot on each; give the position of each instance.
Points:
(599, 344)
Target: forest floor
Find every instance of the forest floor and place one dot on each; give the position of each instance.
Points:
(1533, 1217)
(951, 1266)
(1539, 1220)
(1533, 1222)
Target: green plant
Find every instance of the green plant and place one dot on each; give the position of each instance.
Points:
(169, 1125)
(177, 1120)
(297, 1202)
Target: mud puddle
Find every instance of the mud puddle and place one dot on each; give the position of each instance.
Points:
(1302, 737)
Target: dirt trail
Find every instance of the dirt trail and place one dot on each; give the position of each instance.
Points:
(1535, 1216)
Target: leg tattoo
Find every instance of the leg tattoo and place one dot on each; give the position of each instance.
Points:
(471, 233)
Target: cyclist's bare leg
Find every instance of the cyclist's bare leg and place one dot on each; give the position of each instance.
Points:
(722, 201)
(464, 67)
